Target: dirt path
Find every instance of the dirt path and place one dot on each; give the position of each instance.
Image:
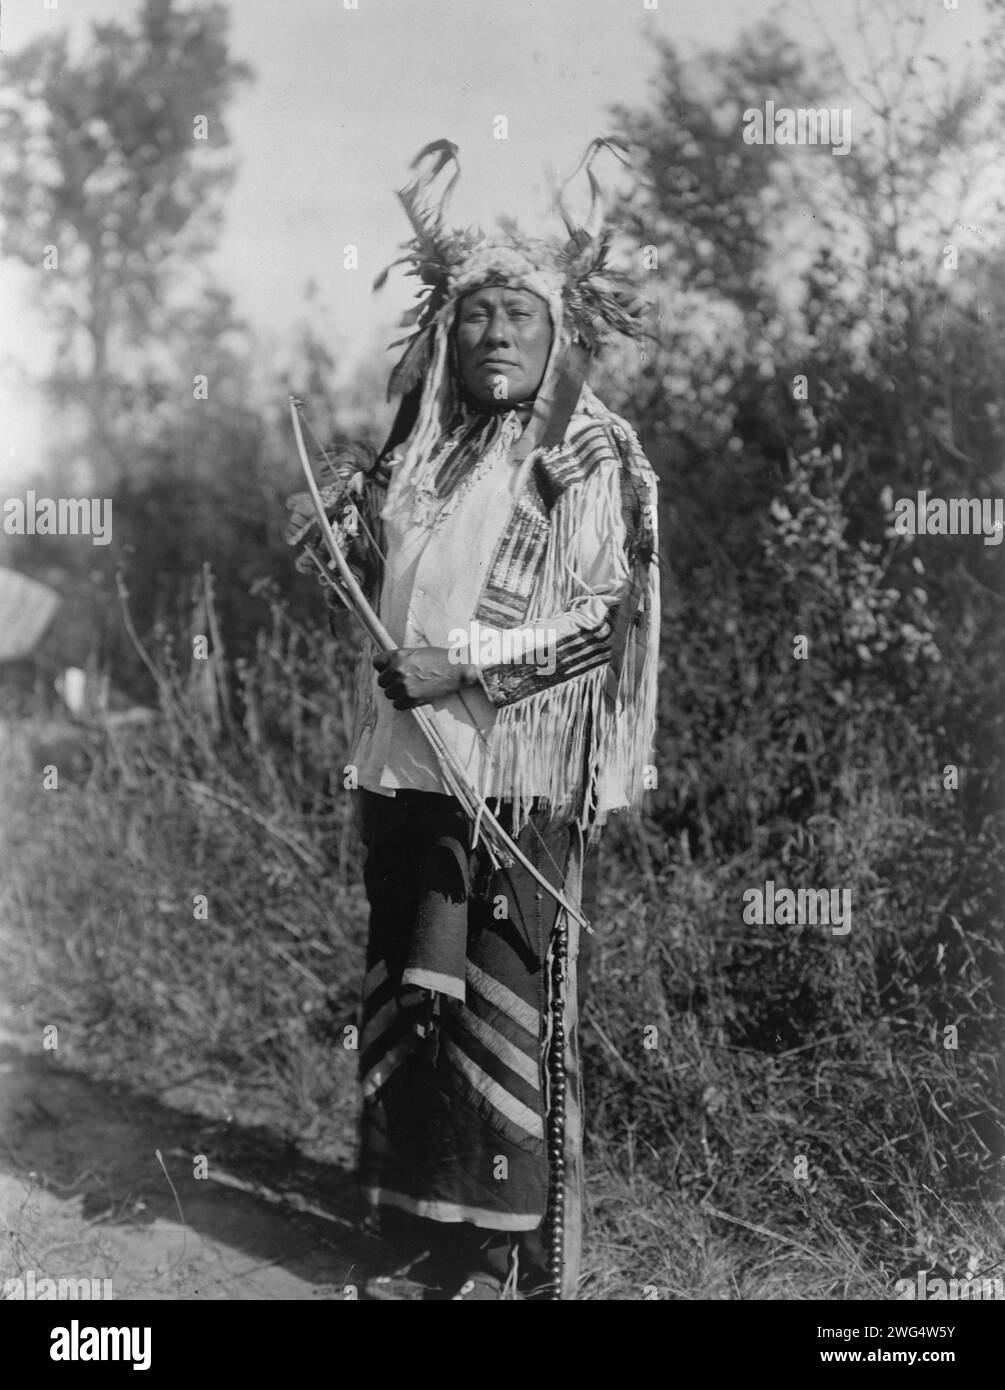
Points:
(83, 1195)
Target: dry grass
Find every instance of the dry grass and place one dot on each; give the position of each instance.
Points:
(773, 1045)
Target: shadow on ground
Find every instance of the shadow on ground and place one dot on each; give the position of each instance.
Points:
(83, 1194)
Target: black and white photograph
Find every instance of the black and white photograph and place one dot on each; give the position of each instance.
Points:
(501, 669)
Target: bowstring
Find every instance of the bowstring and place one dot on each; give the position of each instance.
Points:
(490, 753)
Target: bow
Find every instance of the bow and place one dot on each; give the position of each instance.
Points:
(502, 848)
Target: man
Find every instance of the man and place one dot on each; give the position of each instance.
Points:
(514, 520)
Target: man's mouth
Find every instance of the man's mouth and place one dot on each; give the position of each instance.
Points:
(498, 364)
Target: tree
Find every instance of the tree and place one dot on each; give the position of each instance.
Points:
(814, 352)
(112, 169)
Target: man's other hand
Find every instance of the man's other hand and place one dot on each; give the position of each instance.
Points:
(413, 676)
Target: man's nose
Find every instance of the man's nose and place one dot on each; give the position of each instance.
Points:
(499, 330)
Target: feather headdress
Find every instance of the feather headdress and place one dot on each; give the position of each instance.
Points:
(589, 300)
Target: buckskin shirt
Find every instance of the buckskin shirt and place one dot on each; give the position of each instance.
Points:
(549, 548)
(434, 587)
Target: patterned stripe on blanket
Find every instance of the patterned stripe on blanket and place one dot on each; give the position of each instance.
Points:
(508, 1114)
(501, 997)
(385, 1067)
(526, 1067)
(387, 1035)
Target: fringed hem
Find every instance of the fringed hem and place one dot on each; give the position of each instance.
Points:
(568, 749)
(628, 734)
(541, 744)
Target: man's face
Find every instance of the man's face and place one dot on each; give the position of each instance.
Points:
(503, 340)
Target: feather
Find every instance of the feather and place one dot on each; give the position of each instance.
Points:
(381, 279)
(412, 364)
(446, 149)
(595, 217)
(429, 251)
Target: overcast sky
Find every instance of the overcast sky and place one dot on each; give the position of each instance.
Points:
(344, 98)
